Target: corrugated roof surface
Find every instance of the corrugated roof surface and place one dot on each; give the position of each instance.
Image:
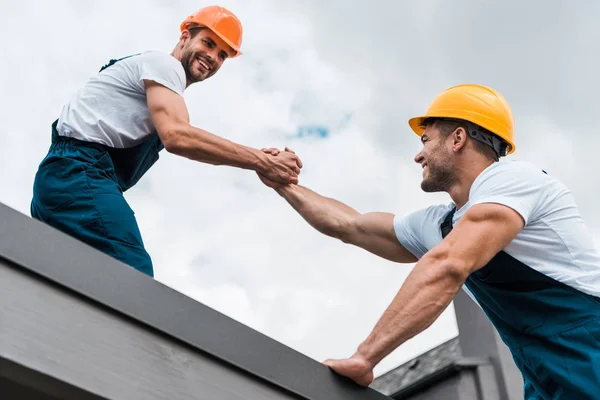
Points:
(418, 368)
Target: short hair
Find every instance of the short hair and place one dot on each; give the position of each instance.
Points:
(449, 125)
(195, 29)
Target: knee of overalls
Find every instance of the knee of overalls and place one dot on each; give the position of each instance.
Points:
(79, 197)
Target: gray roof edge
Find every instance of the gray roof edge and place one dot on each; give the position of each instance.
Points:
(453, 342)
(393, 381)
(36, 247)
(438, 375)
(28, 377)
(448, 369)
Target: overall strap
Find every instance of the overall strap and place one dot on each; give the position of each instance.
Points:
(446, 225)
(116, 60)
(523, 303)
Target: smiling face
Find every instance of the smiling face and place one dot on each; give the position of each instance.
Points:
(202, 54)
(439, 173)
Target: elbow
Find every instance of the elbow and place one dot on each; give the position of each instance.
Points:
(344, 232)
(171, 142)
(174, 138)
(450, 266)
(333, 229)
(349, 230)
(455, 269)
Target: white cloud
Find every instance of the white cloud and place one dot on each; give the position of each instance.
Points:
(216, 233)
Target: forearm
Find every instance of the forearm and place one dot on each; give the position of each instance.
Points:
(326, 215)
(200, 145)
(425, 294)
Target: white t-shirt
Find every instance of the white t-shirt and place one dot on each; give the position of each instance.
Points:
(555, 240)
(111, 107)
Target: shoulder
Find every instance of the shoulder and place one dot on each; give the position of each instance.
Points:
(158, 56)
(515, 169)
(160, 59)
(520, 185)
(419, 230)
(512, 176)
(432, 214)
(162, 68)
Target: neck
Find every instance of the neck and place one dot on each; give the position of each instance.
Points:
(466, 173)
(178, 54)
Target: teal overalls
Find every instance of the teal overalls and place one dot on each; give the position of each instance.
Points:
(78, 189)
(552, 329)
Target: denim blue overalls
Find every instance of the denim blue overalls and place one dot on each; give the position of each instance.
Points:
(552, 329)
(78, 189)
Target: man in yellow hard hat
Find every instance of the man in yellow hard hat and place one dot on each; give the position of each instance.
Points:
(111, 132)
(512, 237)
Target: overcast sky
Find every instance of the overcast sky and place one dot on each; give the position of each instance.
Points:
(219, 236)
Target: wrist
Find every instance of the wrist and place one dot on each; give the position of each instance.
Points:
(261, 162)
(368, 354)
(286, 190)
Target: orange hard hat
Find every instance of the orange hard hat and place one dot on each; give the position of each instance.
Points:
(222, 22)
(478, 104)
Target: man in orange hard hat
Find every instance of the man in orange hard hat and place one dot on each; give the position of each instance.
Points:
(512, 237)
(111, 132)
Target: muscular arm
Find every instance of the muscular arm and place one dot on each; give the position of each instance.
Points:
(172, 122)
(481, 233)
(171, 119)
(373, 232)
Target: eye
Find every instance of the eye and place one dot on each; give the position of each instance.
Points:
(223, 55)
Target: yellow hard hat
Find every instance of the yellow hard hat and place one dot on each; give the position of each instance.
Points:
(478, 104)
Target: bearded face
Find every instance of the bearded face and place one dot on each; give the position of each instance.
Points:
(438, 170)
(203, 54)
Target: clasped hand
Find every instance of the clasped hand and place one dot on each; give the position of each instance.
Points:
(283, 168)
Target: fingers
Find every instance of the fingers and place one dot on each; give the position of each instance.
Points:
(292, 162)
(352, 369)
(271, 151)
(268, 182)
(330, 363)
(289, 178)
(298, 161)
(296, 158)
(275, 152)
(285, 167)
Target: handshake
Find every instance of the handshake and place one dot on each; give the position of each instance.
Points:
(280, 168)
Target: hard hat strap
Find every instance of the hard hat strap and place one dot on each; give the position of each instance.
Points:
(499, 146)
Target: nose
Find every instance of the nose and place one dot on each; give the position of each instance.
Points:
(419, 157)
(212, 53)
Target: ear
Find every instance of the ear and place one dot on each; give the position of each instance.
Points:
(185, 35)
(459, 139)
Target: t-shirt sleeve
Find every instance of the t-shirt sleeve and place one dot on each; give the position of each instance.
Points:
(163, 69)
(513, 184)
(410, 231)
